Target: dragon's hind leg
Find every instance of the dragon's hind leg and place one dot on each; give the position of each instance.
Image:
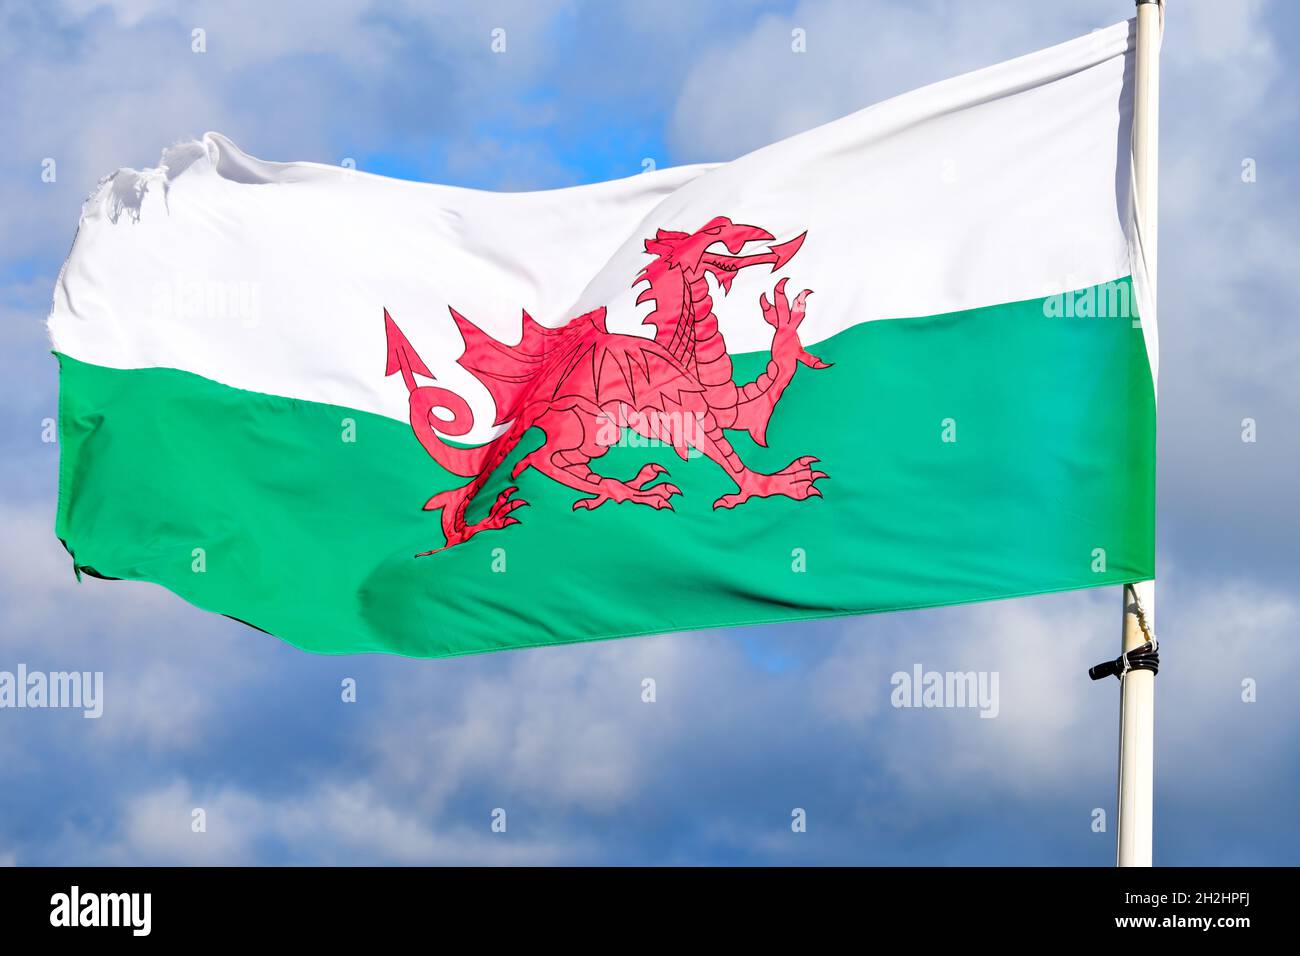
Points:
(570, 469)
(454, 504)
(796, 480)
(566, 457)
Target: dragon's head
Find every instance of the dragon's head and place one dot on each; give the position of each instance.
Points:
(682, 259)
(713, 249)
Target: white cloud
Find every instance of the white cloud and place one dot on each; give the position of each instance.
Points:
(566, 726)
(153, 695)
(286, 80)
(1040, 648)
(334, 824)
(753, 89)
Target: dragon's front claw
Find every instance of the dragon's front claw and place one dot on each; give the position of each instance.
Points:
(780, 313)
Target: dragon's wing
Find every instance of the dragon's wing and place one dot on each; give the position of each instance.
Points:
(578, 360)
(609, 368)
(640, 376)
(511, 371)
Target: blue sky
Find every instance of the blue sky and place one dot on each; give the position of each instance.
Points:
(203, 712)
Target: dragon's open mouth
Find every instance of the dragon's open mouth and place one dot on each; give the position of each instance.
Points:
(725, 265)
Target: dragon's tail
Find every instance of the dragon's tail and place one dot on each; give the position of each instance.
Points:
(429, 429)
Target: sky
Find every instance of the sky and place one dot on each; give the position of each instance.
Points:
(749, 725)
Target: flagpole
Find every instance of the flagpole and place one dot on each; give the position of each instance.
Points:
(1137, 685)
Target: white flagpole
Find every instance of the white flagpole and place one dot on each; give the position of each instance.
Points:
(1137, 687)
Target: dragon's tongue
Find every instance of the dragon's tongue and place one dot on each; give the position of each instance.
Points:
(784, 252)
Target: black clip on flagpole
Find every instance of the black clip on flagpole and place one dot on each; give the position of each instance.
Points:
(1144, 657)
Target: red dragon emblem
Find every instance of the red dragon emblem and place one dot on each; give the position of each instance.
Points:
(580, 382)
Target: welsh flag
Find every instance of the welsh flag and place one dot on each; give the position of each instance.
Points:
(892, 362)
